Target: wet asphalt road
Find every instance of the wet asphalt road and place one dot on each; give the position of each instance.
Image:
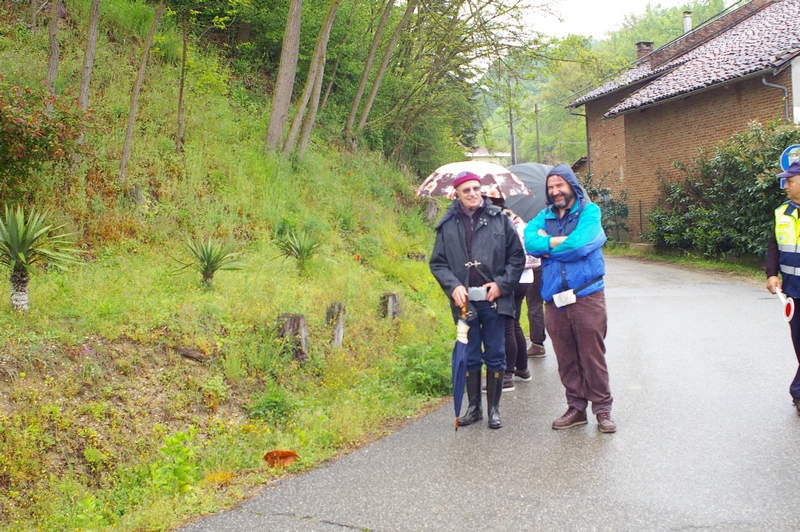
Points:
(707, 436)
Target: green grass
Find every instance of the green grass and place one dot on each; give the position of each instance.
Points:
(98, 410)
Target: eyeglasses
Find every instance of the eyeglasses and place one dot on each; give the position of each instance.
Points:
(468, 190)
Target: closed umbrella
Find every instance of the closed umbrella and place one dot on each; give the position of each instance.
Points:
(459, 362)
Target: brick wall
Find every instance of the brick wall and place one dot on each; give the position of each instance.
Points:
(607, 153)
(656, 137)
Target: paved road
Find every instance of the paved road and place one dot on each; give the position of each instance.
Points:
(707, 436)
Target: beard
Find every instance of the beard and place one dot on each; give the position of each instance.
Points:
(562, 201)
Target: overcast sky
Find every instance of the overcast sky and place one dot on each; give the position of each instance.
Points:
(595, 17)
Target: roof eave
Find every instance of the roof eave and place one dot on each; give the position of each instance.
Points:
(770, 70)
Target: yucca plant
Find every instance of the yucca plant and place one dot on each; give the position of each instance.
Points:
(210, 257)
(26, 241)
(300, 246)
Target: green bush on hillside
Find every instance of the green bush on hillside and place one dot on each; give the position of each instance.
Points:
(726, 202)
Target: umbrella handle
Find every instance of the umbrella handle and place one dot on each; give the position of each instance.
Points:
(464, 312)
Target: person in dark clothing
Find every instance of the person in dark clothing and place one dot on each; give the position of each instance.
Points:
(783, 255)
(536, 330)
(477, 259)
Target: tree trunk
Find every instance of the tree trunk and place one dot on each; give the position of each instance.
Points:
(315, 70)
(19, 291)
(373, 49)
(287, 70)
(52, 28)
(384, 64)
(311, 115)
(88, 58)
(294, 327)
(181, 120)
(126, 149)
(334, 317)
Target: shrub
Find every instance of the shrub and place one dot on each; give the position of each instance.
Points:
(36, 128)
(726, 201)
(425, 369)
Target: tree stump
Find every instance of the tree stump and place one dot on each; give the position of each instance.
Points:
(390, 305)
(293, 326)
(335, 318)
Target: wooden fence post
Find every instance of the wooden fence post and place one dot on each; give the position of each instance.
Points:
(390, 305)
(294, 326)
(335, 318)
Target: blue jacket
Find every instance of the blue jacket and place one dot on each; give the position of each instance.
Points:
(578, 259)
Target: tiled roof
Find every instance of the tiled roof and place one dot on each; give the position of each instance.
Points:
(766, 40)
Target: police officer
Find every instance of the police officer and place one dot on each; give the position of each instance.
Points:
(783, 255)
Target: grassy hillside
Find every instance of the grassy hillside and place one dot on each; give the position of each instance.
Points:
(103, 424)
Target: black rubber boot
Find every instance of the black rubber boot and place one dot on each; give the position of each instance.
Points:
(474, 397)
(494, 388)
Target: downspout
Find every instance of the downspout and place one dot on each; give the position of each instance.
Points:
(588, 158)
(785, 94)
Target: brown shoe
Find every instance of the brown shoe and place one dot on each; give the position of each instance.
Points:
(571, 418)
(605, 423)
(536, 351)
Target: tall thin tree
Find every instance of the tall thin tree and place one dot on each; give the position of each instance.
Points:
(52, 29)
(287, 70)
(362, 84)
(126, 149)
(314, 79)
(88, 57)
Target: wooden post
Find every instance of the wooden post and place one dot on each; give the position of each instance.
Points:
(335, 318)
(294, 326)
(390, 305)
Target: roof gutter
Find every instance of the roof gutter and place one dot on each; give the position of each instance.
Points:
(785, 94)
(692, 93)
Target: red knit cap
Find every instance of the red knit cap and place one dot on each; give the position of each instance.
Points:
(465, 176)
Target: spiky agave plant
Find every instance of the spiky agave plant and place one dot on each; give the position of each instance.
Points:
(209, 257)
(301, 246)
(26, 241)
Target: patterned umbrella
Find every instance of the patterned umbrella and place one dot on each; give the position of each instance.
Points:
(497, 181)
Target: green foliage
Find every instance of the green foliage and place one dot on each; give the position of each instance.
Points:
(210, 257)
(274, 404)
(726, 201)
(425, 369)
(177, 471)
(26, 241)
(614, 210)
(36, 129)
(298, 245)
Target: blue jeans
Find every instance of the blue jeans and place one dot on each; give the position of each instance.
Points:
(486, 339)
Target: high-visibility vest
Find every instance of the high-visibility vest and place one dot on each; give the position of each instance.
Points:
(787, 233)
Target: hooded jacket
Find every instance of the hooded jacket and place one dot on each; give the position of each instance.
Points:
(578, 259)
(495, 245)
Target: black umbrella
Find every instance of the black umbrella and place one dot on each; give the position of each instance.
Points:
(534, 175)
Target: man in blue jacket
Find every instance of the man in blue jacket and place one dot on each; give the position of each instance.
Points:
(568, 235)
(477, 259)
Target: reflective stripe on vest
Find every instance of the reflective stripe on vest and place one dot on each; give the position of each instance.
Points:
(789, 270)
(787, 233)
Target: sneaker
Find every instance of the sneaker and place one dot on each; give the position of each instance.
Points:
(605, 423)
(571, 418)
(508, 382)
(524, 375)
(536, 351)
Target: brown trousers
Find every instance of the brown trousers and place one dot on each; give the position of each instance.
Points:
(578, 332)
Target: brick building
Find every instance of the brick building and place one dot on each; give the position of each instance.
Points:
(689, 94)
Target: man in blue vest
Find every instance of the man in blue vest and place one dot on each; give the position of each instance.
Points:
(783, 254)
(568, 235)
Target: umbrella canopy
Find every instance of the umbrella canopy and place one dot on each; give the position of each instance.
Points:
(459, 362)
(497, 180)
(534, 175)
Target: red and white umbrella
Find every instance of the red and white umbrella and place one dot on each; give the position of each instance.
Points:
(497, 181)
